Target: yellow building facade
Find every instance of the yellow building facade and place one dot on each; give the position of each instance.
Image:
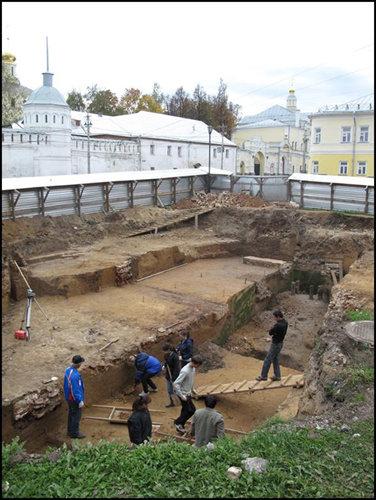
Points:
(274, 142)
(342, 139)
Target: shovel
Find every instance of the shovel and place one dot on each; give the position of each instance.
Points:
(162, 330)
(111, 342)
(174, 397)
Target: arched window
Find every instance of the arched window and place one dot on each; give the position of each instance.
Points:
(36, 118)
(46, 118)
(62, 120)
(54, 118)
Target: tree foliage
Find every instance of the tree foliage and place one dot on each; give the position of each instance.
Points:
(13, 95)
(133, 101)
(102, 102)
(76, 101)
(215, 110)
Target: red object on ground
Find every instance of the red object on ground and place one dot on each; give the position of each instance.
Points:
(20, 334)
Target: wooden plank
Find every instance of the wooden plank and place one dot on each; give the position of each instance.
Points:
(240, 385)
(211, 388)
(241, 388)
(125, 409)
(334, 277)
(112, 413)
(286, 380)
(230, 388)
(179, 438)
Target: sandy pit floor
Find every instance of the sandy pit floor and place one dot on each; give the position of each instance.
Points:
(133, 313)
(242, 411)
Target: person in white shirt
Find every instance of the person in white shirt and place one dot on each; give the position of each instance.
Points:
(183, 386)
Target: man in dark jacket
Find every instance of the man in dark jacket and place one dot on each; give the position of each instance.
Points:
(139, 423)
(172, 368)
(278, 333)
(185, 347)
(147, 366)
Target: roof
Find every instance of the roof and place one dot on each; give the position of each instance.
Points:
(276, 111)
(10, 184)
(149, 125)
(47, 94)
(365, 103)
(333, 179)
(264, 123)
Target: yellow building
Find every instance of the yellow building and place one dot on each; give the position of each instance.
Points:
(342, 139)
(275, 141)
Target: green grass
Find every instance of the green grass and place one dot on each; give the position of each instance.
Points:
(332, 465)
(360, 315)
(361, 374)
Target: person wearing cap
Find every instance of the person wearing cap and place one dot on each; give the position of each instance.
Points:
(74, 395)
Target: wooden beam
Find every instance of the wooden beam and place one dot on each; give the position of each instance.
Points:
(124, 409)
(331, 195)
(366, 200)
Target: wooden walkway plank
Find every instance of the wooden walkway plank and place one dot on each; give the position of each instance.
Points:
(251, 386)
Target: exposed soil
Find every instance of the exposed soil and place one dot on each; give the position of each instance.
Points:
(73, 264)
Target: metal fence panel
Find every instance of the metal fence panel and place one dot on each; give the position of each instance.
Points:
(274, 187)
(61, 201)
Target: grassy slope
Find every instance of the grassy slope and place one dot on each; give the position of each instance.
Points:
(329, 464)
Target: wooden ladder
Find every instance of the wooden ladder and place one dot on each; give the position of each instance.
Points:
(250, 386)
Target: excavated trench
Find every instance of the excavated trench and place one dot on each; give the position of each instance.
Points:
(212, 289)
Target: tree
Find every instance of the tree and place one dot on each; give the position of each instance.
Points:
(133, 101)
(225, 114)
(158, 95)
(180, 104)
(13, 95)
(102, 102)
(202, 105)
(76, 101)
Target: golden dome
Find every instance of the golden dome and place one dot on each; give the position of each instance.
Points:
(8, 58)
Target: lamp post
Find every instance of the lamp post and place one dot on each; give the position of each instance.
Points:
(210, 130)
(88, 124)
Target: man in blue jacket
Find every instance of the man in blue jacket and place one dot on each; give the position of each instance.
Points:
(74, 394)
(147, 366)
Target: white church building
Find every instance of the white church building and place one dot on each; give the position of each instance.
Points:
(54, 140)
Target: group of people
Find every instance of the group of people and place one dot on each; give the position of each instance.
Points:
(179, 365)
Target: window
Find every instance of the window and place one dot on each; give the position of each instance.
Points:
(363, 134)
(169, 150)
(152, 149)
(317, 135)
(346, 134)
(362, 168)
(36, 119)
(54, 119)
(46, 118)
(215, 153)
(343, 167)
(62, 120)
(227, 153)
(179, 151)
(315, 167)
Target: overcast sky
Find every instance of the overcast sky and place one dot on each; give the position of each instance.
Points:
(256, 48)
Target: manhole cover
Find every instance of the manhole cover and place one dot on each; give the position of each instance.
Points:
(362, 331)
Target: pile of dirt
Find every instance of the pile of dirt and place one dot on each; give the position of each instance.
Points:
(212, 355)
(212, 200)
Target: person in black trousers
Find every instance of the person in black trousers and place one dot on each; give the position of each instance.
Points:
(278, 333)
(172, 368)
(185, 347)
(139, 423)
(184, 387)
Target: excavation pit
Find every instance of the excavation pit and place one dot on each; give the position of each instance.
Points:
(215, 294)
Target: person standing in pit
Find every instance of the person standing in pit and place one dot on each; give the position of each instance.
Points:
(207, 423)
(172, 368)
(147, 367)
(184, 386)
(278, 333)
(139, 423)
(74, 394)
(185, 347)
